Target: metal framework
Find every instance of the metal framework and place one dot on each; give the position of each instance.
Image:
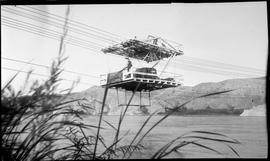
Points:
(149, 50)
(140, 98)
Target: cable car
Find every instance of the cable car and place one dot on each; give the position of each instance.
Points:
(150, 50)
(153, 49)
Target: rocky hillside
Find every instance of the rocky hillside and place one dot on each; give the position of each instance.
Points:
(246, 94)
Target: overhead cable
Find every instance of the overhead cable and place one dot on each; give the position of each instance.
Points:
(42, 75)
(44, 66)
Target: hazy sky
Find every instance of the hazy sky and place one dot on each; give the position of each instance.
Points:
(231, 33)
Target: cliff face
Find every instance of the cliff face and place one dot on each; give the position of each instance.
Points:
(246, 94)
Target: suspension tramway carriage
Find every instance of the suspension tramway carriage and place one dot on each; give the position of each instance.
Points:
(143, 79)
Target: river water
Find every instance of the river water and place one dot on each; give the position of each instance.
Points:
(250, 131)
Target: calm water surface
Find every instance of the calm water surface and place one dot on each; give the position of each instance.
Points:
(250, 131)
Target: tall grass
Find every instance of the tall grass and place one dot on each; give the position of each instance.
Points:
(38, 124)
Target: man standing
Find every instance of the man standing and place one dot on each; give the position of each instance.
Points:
(129, 64)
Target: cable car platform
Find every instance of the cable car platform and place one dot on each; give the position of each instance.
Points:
(145, 84)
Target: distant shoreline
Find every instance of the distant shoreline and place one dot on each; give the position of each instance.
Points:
(203, 112)
(163, 113)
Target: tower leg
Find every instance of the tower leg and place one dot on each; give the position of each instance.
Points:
(149, 98)
(133, 93)
(125, 97)
(117, 96)
(140, 99)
